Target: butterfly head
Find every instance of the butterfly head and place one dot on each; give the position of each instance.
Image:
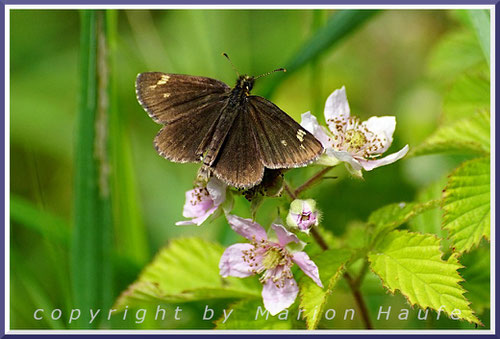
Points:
(245, 82)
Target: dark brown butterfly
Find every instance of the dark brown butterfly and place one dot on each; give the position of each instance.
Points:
(236, 135)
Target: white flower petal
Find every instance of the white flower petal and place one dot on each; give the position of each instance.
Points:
(276, 299)
(336, 106)
(310, 123)
(383, 128)
(347, 157)
(308, 266)
(284, 236)
(217, 190)
(246, 227)
(232, 263)
(368, 165)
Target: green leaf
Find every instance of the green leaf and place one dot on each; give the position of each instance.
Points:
(92, 242)
(457, 52)
(466, 204)
(466, 136)
(412, 263)
(469, 94)
(476, 274)
(340, 25)
(186, 270)
(392, 216)
(331, 266)
(251, 315)
(480, 20)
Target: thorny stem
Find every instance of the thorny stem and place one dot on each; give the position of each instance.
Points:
(354, 284)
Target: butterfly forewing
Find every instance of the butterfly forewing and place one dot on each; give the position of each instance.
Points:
(281, 141)
(238, 162)
(185, 139)
(168, 97)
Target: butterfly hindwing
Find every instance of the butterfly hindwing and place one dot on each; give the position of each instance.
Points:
(167, 97)
(238, 163)
(281, 141)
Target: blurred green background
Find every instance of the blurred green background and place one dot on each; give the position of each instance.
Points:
(396, 62)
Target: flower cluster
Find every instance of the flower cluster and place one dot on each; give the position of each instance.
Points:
(272, 255)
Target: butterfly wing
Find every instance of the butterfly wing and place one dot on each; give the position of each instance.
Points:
(281, 141)
(238, 162)
(168, 97)
(189, 106)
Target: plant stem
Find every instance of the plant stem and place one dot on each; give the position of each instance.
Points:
(359, 300)
(312, 180)
(354, 284)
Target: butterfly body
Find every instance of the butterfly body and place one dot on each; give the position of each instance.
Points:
(234, 134)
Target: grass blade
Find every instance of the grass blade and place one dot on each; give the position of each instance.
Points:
(130, 234)
(91, 246)
(340, 25)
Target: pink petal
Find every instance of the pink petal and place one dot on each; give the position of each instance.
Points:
(308, 266)
(310, 123)
(347, 157)
(383, 128)
(368, 165)
(246, 227)
(284, 236)
(217, 191)
(198, 220)
(276, 299)
(198, 202)
(336, 106)
(232, 263)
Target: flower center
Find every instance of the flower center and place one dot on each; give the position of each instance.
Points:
(272, 258)
(355, 139)
(200, 194)
(305, 216)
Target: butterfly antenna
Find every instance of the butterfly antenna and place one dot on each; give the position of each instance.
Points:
(266, 74)
(232, 65)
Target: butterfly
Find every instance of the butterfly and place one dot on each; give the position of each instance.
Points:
(234, 134)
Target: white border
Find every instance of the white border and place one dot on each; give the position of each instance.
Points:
(222, 332)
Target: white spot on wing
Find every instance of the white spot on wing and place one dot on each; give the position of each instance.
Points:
(163, 80)
(300, 135)
(166, 95)
(284, 142)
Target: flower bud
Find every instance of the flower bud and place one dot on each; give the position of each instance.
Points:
(303, 215)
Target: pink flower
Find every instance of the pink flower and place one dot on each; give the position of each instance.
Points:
(270, 256)
(202, 202)
(359, 144)
(303, 215)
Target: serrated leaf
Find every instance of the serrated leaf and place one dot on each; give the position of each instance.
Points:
(476, 274)
(466, 136)
(389, 217)
(412, 263)
(186, 270)
(469, 94)
(466, 204)
(246, 315)
(312, 297)
(454, 54)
